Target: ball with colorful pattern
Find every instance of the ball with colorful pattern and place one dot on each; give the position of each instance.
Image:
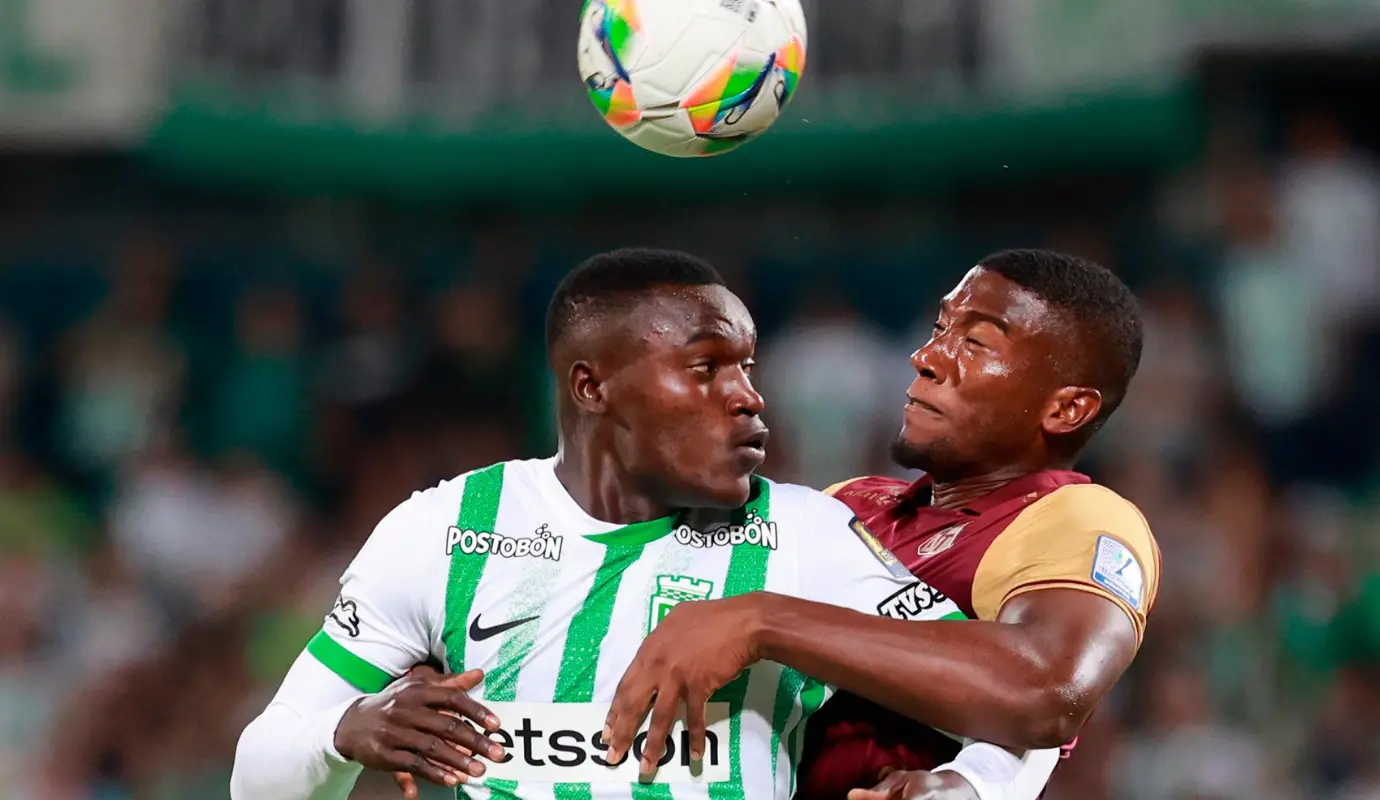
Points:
(691, 77)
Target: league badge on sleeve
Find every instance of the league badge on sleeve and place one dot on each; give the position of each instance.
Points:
(1116, 569)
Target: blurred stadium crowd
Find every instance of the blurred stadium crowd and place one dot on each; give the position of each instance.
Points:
(200, 425)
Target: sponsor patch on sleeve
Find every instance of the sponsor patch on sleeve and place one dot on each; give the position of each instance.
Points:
(891, 562)
(345, 615)
(1116, 569)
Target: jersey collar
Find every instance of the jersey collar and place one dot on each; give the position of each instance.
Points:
(606, 533)
(636, 534)
(1036, 483)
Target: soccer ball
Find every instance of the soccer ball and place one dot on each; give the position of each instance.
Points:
(691, 77)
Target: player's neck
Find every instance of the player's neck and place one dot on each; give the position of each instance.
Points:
(964, 492)
(602, 489)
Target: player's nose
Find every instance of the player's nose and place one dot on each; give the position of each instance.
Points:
(744, 399)
(928, 363)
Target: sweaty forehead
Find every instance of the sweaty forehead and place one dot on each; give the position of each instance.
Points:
(990, 294)
(675, 316)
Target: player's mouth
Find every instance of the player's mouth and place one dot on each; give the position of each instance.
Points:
(751, 443)
(916, 405)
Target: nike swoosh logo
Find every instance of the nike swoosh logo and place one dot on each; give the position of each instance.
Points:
(479, 634)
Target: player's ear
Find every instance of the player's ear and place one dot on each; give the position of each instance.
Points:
(1071, 408)
(587, 388)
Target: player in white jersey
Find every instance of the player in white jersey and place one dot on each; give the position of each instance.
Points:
(546, 576)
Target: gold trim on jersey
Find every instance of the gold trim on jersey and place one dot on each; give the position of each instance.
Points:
(1083, 537)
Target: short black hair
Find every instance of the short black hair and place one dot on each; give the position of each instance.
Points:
(1100, 306)
(597, 285)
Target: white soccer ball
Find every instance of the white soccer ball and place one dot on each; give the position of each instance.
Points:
(691, 77)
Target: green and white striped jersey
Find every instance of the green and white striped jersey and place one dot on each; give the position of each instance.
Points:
(501, 570)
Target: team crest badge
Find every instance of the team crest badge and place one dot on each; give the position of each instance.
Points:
(673, 589)
(941, 541)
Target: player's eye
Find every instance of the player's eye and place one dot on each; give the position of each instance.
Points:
(975, 342)
(937, 329)
(748, 365)
(706, 368)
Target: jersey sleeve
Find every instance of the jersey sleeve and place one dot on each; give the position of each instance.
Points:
(995, 773)
(288, 751)
(378, 627)
(843, 564)
(1083, 537)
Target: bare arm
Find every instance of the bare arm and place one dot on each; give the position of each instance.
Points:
(1063, 593)
(1029, 680)
(1062, 607)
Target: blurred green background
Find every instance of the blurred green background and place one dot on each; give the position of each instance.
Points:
(266, 268)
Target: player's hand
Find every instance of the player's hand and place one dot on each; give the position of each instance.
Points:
(404, 780)
(918, 785)
(699, 647)
(418, 725)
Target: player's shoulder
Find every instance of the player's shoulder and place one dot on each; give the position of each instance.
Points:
(1076, 518)
(481, 486)
(869, 493)
(1085, 506)
(822, 524)
(794, 495)
(806, 508)
(408, 554)
(429, 513)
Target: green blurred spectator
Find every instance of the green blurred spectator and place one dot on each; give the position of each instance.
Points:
(1355, 631)
(260, 403)
(36, 514)
(122, 372)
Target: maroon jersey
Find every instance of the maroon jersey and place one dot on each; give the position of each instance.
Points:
(1048, 529)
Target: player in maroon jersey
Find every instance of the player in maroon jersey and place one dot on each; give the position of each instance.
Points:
(1031, 353)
